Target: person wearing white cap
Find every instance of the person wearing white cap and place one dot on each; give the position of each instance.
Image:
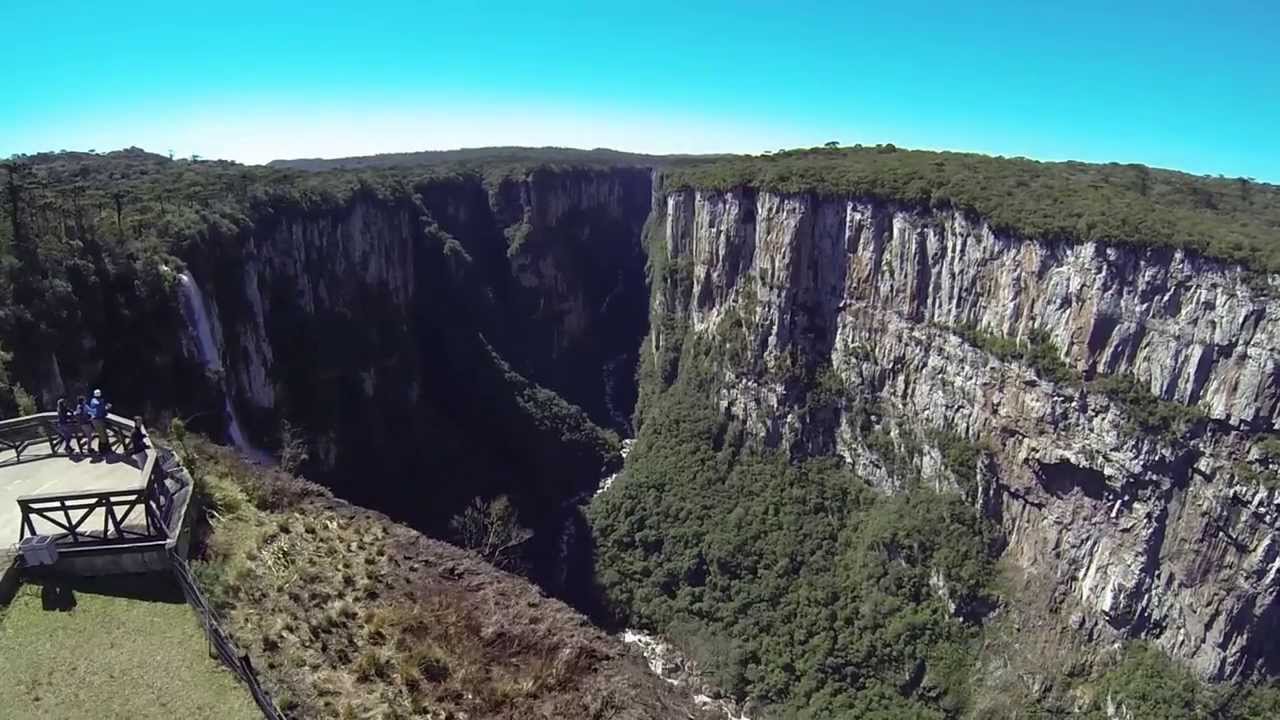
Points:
(98, 414)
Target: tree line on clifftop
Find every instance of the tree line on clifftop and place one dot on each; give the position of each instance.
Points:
(1234, 219)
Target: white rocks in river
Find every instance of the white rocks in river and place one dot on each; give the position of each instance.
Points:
(672, 666)
(607, 482)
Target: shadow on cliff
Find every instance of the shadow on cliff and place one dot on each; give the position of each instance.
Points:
(415, 410)
(567, 296)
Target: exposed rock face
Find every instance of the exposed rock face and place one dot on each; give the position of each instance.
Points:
(558, 254)
(402, 335)
(1134, 534)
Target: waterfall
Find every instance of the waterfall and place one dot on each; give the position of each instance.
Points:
(606, 483)
(197, 316)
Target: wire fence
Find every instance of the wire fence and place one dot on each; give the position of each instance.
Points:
(219, 642)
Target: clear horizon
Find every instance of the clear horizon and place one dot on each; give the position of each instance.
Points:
(1171, 85)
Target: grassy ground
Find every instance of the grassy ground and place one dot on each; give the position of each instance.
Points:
(109, 652)
(348, 615)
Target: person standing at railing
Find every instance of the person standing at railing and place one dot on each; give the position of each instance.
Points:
(98, 414)
(66, 426)
(83, 424)
(138, 442)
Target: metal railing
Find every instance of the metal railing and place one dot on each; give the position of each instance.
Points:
(72, 515)
(39, 436)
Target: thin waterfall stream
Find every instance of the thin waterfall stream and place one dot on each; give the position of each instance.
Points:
(197, 315)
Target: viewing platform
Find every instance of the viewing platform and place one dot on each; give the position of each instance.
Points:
(92, 570)
(100, 515)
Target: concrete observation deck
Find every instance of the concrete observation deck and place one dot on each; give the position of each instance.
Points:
(127, 509)
(61, 475)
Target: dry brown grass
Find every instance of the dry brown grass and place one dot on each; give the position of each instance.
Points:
(348, 615)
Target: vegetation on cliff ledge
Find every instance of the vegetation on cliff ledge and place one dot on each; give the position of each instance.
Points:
(1142, 682)
(1147, 412)
(1235, 219)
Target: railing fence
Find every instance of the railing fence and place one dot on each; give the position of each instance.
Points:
(69, 515)
(219, 642)
(24, 435)
(93, 518)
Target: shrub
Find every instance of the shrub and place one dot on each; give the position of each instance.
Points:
(1037, 352)
(1269, 448)
(960, 456)
(1148, 412)
(492, 529)
(1264, 478)
(294, 451)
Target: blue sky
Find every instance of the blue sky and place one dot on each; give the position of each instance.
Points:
(1193, 86)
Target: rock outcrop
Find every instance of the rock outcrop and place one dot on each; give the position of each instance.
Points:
(1135, 534)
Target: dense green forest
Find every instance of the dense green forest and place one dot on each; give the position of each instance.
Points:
(1235, 219)
(799, 585)
(78, 282)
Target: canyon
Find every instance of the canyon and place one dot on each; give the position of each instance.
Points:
(465, 334)
(350, 325)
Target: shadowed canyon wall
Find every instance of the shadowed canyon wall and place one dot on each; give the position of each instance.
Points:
(404, 336)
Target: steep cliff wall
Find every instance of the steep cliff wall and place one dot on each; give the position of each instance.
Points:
(841, 319)
(403, 333)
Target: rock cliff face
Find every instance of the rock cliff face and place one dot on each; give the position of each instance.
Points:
(1128, 534)
(403, 335)
(557, 253)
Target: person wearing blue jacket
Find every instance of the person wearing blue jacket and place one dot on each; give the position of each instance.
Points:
(98, 415)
